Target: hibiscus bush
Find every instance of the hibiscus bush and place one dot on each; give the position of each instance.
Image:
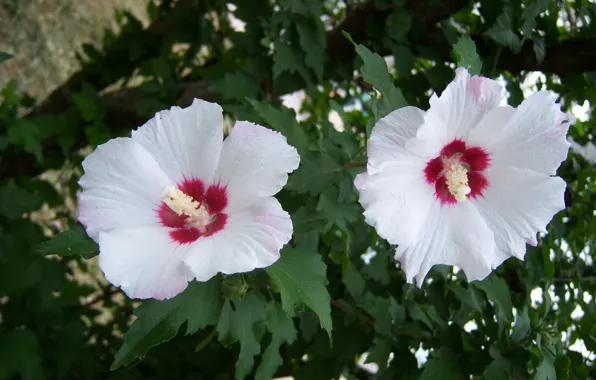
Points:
(405, 190)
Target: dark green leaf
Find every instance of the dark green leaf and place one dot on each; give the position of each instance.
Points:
(15, 201)
(282, 330)
(521, 327)
(301, 279)
(444, 364)
(497, 291)
(238, 325)
(4, 56)
(312, 41)
(159, 321)
(284, 121)
(315, 174)
(19, 356)
(70, 243)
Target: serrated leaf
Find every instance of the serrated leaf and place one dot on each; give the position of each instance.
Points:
(282, 330)
(521, 327)
(19, 356)
(374, 71)
(238, 325)
(301, 279)
(502, 31)
(15, 201)
(467, 57)
(497, 291)
(444, 364)
(546, 370)
(70, 243)
(312, 41)
(288, 58)
(470, 297)
(284, 121)
(159, 321)
(27, 134)
(316, 173)
(340, 214)
(237, 85)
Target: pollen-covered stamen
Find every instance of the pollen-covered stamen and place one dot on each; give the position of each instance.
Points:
(184, 205)
(456, 176)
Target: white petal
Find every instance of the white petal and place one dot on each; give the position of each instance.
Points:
(459, 108)
(122, 188)
(388, 138)
(186, 142)
(396, 200)
(144, 262)
(251, 238)
(254, 164)
(453, 235)
(517, 204)
(529, 137)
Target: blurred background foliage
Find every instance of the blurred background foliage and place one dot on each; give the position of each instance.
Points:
(70, 85)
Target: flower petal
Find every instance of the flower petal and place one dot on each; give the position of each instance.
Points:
(251, 238)
(529, 137)
(254, 164)
(388, 138)
(453, 235)
(517, 205)
(122, 188)
(396, 200)
(144, 262)
(186, 142)
(459, 108)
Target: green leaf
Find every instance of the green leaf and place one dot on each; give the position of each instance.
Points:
(444, 364)
(471, 297)
(304, 7)
(159, 321)
(312, 41)
(288, 58)
(499, 368)
(467, 57)
(28, 135)
(238, 326)
(379, 353)
(340, 214)
(15, 201)
(497, 291)
(374, 71)
(354, 282)
(404, 59)
(502, 31)
(237, 85)
(282, 330)
(301, 279)
(70, 243)
(316, 173)
(546, 370)
(399, 24)
(4, 56)
(521, 327)
(20, 356)
(284, 121)
(539, 49)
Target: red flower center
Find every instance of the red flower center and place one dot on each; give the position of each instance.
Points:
(457, 172)
(193, 212)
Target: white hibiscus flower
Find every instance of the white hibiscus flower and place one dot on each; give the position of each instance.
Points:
(175, 202)
(468, 182)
